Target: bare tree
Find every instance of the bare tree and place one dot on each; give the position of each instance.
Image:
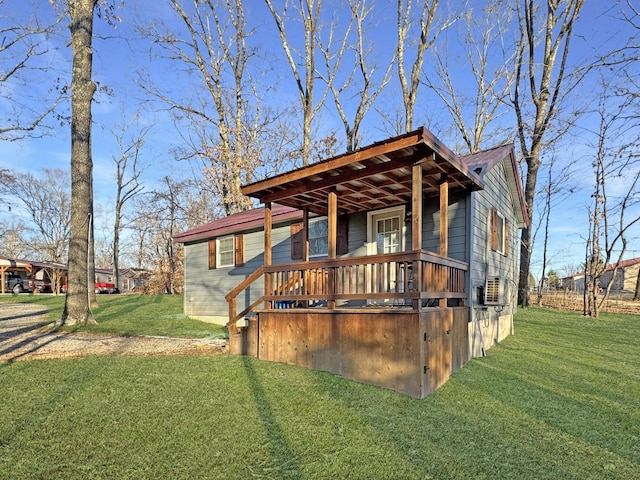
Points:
(540, 73)
(616, 190)
(558, 186)
(27, 77)
(361, 82)
(44, 204)
(161, 214)
(213, 48)
(130, 140)
(14, 241)
(76, 307)
(303, 66)
(422, 30)
(475, 109)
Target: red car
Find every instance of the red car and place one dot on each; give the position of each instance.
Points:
(101, 287)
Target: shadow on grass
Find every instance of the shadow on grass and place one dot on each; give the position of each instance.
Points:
(284, 460)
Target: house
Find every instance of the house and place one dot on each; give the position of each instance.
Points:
(391, 265)
(626, 276)
(129, 279)
(575, 282)
(625, 280)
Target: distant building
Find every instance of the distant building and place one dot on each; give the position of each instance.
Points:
(129, 279)
(625, 280)
(626, 276)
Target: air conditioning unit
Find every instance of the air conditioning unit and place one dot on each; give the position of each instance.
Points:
(494, 291)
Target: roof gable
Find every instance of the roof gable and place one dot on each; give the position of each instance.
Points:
(483, 162)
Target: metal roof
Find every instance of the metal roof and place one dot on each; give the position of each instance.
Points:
(242, 221)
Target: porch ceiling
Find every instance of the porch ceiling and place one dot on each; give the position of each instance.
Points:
(371, 178)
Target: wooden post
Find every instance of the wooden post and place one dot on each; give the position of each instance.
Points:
(305, 251)
(416, 208)
(444, 225)
(416, 230)
(232, 310)
(305, 234)
(268, 225)
(332, 216)
(2, 272)
(444, 218)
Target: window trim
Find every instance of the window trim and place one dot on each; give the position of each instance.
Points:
(237, 250)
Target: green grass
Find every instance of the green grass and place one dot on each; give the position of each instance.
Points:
(558, 400)
(131, 315)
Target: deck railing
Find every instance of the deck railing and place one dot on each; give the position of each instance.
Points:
(415, 278)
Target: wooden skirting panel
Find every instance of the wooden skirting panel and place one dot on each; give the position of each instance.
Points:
(410, 352)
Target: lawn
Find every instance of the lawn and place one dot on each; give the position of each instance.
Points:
(560, 399)
(132, 315)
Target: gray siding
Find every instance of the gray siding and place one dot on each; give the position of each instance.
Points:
(491, 324)
(205, 289)
(457, 226)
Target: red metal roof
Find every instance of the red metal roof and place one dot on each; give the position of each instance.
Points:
(624, 264)
(243, 221)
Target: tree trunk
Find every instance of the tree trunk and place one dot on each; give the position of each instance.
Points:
(76, 307)
(91, 259)
(533, 165)
(116, 245)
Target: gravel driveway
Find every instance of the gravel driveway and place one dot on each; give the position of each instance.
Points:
(26, 335)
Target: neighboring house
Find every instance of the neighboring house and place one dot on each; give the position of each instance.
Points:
(626, 276)
(129, 279)
(625, 280)
(574, 283)
(392, 265)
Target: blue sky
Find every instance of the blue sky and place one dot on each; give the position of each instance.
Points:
(116, 61)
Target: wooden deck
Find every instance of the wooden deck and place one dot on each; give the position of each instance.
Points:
(400, 349)
(396, 320)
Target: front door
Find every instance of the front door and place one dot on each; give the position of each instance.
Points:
(386, 231)
(386, 235)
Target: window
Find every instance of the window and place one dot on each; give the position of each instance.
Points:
(318, 238)
(226, 252)
(499, 232)
(388, 235)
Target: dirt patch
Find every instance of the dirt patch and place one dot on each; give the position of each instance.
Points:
(575, 301)
(26, 335)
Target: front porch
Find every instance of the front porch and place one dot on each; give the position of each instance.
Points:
(396, 320)
(396, 317)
